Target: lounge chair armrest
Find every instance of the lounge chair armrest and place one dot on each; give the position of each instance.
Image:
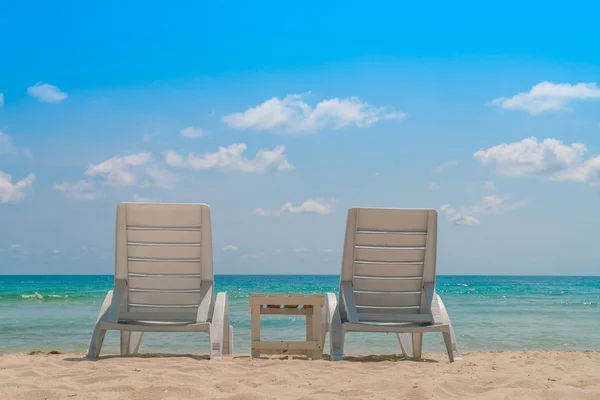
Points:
(104, 310)
(347, 292)
(439, 315)
(206, 302)
(219, 328)
(221, 311)
(330, 309)
(119, 295)
(333, 327)
(438, 311)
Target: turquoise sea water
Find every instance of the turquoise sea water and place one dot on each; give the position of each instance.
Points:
(488, 313)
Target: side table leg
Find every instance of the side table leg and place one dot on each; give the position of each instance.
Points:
(316, 332)
(255, 330)
(309, 330)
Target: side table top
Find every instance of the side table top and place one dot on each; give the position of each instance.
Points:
(280, 299)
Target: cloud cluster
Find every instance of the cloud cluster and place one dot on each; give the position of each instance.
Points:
(547, 96)
(47, 93)
(7, 147)
(13, 192)
(118, 171)
(232, 159)
(307, 207)
(549, 158)
(191, 133)
(292, 114)
(489, 205)
(80, 190)
(445, 166)
(134, 170)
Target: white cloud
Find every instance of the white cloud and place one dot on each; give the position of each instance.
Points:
(293, 115)
(13, 193)
(549, 158)
(117, 171)
(489, 205)
(445, 166)
(548, 96)
(191, 132)
(1, 100)
(325, 251)
(433, 187)
(300, 250)
(394, 115)
(6, 144)
(46, 93)
(85, 249)
(130, 170)
(149, 136)
(80, 190)
(55, 251)
(174, 159)
(143, 199)
(8, 147)
(161, 177)
(489, 185)
(231, 158)
(21, 251)
(230, 248)
(307, 207)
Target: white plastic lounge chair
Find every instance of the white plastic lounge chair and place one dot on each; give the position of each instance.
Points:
(388, 280)
(163, 278)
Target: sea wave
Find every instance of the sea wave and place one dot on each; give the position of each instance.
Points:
(37, 296)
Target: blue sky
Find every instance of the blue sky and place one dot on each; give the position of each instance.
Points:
(281, 116)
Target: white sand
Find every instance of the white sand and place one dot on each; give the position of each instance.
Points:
(496, 375)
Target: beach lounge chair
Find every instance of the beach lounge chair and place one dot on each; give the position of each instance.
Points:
(388, 280)
(163, 278)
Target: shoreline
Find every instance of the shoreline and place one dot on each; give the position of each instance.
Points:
(480, 375)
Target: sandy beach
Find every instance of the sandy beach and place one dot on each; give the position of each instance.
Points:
(494, 375)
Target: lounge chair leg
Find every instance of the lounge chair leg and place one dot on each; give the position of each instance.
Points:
(99, 333)
(231, 347)
(228, 339)
(448, 342)
(130, 342)
(96, 342)
(336, 344)
(219, 327)
(135, 341)
(404, 341)
(417, 344)
(216, 342)
(452, 338)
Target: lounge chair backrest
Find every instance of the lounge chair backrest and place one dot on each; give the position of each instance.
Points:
(164, 254)
(389, 256)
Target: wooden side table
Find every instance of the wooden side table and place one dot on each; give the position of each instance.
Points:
(292, 304)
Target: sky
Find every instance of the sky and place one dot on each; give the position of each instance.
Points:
(283, 115)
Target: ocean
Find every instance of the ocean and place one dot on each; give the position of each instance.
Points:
(488, 313)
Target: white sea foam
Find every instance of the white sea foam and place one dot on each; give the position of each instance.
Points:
(36, 295)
